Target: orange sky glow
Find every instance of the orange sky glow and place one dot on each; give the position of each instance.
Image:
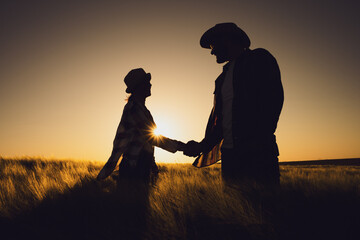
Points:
(62, 67)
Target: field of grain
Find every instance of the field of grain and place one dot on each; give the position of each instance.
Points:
(50, 199)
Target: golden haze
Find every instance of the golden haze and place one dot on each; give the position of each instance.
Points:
(62, 69)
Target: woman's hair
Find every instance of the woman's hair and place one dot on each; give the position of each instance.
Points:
(128, 97)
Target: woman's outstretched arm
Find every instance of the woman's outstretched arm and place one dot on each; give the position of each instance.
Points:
(167, 143)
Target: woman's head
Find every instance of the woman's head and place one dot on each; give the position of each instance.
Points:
(138, 82)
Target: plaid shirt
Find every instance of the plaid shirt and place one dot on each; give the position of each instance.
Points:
(134, 136)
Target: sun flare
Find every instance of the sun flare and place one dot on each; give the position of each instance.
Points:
(165, 127)
(156, 132)
(162, 129)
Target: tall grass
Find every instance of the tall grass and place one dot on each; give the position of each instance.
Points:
(61, 200)
(25, 183)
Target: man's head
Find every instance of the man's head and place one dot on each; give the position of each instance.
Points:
(226, 41)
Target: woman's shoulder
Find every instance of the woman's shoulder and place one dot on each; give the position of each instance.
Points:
(133, 109)
(130, 105)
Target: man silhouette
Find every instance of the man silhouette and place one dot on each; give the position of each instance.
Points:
(247, 104)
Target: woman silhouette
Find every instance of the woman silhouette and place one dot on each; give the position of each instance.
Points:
(134, 139)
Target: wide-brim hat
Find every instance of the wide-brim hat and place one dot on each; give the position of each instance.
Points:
(230, 30)
(135, 78)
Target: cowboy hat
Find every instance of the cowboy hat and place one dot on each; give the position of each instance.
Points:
(229, 29)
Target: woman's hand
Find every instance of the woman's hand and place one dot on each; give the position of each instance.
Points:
(181, 146)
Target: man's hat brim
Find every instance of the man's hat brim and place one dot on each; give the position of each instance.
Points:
(224, 30)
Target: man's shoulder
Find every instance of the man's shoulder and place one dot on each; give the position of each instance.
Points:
(254, 56)
(261, 56)
(260, 52)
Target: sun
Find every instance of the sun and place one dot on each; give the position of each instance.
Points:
(162, 129)
(156, 131)
(166, 126)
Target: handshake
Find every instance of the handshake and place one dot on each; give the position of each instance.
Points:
(190, 149)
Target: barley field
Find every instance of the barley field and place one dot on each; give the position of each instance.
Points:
(53, 199)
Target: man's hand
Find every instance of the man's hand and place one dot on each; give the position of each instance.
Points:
(192, 149)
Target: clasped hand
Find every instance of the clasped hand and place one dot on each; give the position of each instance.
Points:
(191, 148)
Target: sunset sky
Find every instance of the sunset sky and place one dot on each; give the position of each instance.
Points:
(62, 65)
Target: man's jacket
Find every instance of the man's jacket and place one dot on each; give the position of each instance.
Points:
(257, 103)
